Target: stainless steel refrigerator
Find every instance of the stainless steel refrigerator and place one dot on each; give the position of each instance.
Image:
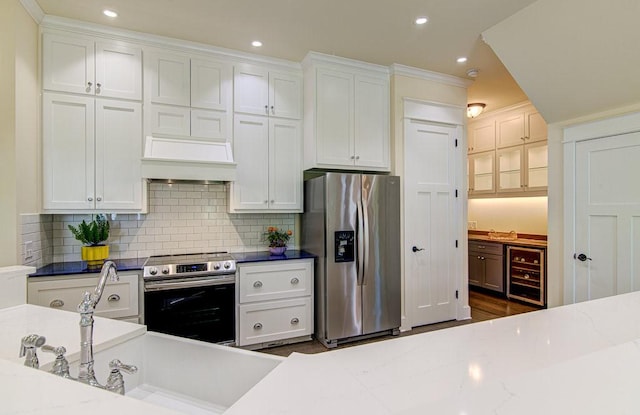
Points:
(352, 223)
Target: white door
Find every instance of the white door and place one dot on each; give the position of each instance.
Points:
(68, 64)
(607, 216)
(285, 165)
(118, 71)
(211, 83)
(371, 122)
(167, 79)
(285, 95)
(251, 89)
(118, 153)
(251, 150)
(430, 220)
(68, 151)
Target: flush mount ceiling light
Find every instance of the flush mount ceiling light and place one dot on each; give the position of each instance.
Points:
(109, 13)
(421, 20)
(472, 73)
(461, 59)
(256, 43)
(475, 109)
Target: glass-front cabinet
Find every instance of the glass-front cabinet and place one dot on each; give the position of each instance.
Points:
(481, 169)
(522, 168)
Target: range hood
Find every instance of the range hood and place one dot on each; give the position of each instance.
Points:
(182, 159)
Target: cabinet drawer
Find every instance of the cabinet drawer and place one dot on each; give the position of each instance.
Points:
(274, 320)
(272, 282)
(119, 299)
(485, 247)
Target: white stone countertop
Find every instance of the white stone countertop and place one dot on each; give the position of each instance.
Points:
(582, 358)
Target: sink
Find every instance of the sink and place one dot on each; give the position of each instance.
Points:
(189, 376)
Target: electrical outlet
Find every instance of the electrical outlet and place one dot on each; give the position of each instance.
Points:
(28, 249)
(472, 225)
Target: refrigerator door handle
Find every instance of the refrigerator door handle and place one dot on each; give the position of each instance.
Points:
(365, 238)
(360, 242)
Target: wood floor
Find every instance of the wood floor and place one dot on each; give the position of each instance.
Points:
(484, 306)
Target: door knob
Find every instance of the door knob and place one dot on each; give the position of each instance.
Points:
(416, 249)
(581, 257)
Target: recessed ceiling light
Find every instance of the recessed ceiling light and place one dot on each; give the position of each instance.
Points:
(109, 13)
(421, 20)
(256, 43)
(461, 59)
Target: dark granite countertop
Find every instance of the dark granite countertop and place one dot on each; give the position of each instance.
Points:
(80, 267)
(260, 256)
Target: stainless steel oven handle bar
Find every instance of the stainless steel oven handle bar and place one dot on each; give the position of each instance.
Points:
(174, 285)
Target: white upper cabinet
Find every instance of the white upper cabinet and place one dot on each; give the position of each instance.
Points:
(91, 154)
(259, 91)
(347, 114)
(482, 136)
(269, 175)
(187, 96)
(83, 66)
(520, 127)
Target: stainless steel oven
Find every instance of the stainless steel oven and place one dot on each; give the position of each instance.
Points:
(191, 296)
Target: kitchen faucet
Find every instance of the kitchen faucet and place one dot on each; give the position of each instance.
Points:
(86, 374)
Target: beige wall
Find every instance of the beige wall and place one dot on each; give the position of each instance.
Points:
(18, 123)
(520, 214)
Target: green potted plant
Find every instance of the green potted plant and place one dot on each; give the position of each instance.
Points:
(277, 239)
(92, 235)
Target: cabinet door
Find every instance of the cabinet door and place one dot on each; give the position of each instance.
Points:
(168, 120)
(285, 95)
(482, 136)
(510, 169)
(68, 150)
(251, 90)
(493, 273)
(510, 130)
(118, 71)
(536, 175)
(482, 173)
(211, 83)
(210, 124)
(476, 269)
(334, 118)
(118, 153)
(68, 64)
(371, 123)
(285, 169)
(251, 149)
(536, 127)
(168, 79)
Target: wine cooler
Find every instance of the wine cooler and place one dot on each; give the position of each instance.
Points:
(526, 275)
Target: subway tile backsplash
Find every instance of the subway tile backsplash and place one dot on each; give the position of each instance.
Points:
(182, 218)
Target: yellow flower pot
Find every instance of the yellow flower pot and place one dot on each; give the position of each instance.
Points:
(95, 255)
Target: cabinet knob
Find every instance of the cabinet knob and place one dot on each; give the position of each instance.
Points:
(273, 201)
(99, 199)
(113, 298)
(266, 202)
(522, 138)
(295, 320)
(56, 303)
(257, 284)
(273, 110)
(357, 157)
(266, 109)
(90, 199)
(353, 157)
(257, 326)
(295, 280)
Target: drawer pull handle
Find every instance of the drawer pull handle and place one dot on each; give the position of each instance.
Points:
(295, 280)
(257, 284)
(56, 304)
(113, 297)
(257, 326)
(295, 320)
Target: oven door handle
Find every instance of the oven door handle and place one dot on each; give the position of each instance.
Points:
(174, 285)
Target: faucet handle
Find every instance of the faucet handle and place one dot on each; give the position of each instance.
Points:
(61, 365)
(116, 364)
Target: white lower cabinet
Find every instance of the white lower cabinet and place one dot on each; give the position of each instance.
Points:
(275, 303)
(119, 299)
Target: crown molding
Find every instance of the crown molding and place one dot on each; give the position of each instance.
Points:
(403, 70)
(34, 10)
(317, 57)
